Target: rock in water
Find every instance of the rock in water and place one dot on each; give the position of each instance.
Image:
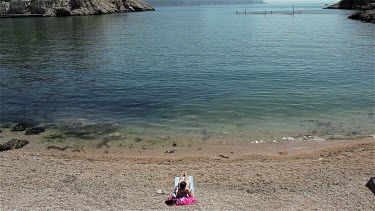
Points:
(367, 7)
(366, 15)
(21, 126)
(35, 131)
(13, 144)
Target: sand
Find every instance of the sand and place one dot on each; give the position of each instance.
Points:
(284, 176)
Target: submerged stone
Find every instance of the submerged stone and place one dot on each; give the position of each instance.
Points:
(21, 126)
(35, 131)
(13, 144)
(83, 130)
(104, 142)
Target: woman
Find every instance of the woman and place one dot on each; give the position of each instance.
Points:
(182, 195)
(182, 191)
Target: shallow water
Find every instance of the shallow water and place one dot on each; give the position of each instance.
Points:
(200, 72)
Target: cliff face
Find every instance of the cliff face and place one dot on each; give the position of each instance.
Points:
(366, 15)
(93, 7)
(350, 4)
(366, 7)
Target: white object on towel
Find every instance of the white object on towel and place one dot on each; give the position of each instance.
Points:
(191, 179)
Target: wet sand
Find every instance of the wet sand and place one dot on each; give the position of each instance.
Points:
(328, 175)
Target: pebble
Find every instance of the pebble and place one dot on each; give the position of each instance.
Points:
(224, 156)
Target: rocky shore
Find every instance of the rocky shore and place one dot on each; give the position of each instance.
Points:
(366, 9)
(97, 7)
(84, 7)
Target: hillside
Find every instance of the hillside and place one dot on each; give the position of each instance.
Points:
(366, 9)
(85, 7)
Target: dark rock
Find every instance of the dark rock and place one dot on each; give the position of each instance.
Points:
(1, 131)
(13, 144)
(367, 7)
(371, 185)
(350, 4)
(224, 156)
(21, 126)
(35, 130)
(365, 16)
(58, 148)
(354, 133)
(283, 153)
(137, 139)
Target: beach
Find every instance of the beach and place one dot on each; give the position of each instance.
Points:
(267, 111)
(329, 177)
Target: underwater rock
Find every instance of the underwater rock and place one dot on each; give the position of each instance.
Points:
(137, 139)
(13, 144)
(84, 130)
(35, 131)
(104, 142)
(21, 126)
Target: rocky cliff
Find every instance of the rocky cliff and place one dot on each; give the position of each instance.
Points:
(92, 7)
(350, 4)
(366, 7)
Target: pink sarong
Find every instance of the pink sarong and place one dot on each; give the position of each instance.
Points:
(186, 201)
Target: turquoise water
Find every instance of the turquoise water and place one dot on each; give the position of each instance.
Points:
(194, 71)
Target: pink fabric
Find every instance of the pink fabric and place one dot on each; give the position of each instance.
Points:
(186, 201)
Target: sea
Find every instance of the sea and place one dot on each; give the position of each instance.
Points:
(204, 72)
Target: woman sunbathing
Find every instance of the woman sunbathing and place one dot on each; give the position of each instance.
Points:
(182, 191)
(182, 195)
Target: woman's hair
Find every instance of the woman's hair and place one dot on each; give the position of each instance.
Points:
(182, 185)
(170, 201)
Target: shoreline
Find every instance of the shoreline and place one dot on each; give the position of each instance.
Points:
(106, 140)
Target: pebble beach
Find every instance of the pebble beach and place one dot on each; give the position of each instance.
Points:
(324, 177)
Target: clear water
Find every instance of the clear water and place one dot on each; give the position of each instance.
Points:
(193, 71)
